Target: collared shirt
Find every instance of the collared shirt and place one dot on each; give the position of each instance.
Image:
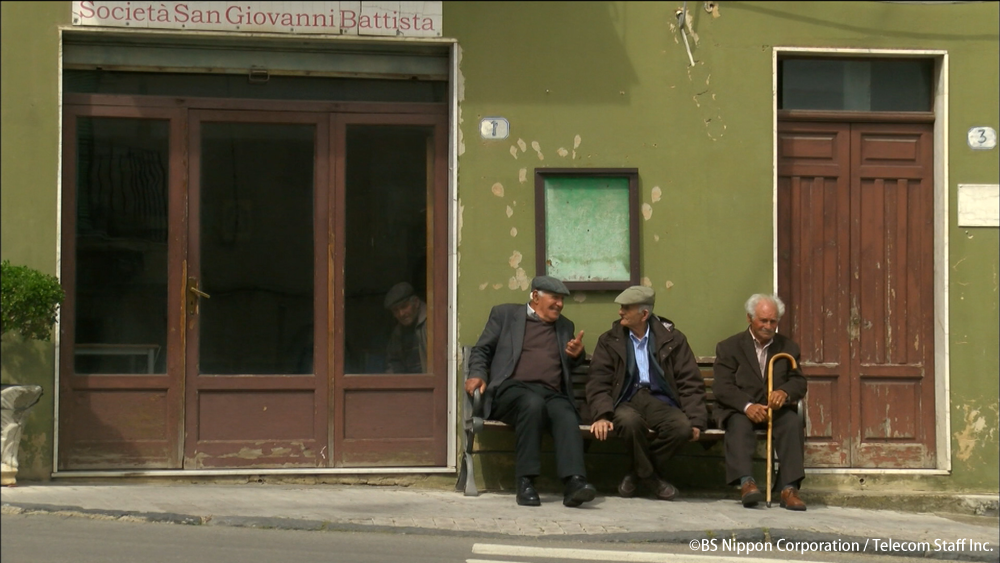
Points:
(532, 314)
(641, 347)
(761, 350)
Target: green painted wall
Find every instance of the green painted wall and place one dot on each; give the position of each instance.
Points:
(29, 164)
(608, 84)
(601, 84)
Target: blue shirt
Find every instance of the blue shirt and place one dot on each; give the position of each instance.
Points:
(641, 347)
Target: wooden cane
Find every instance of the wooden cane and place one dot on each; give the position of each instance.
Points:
(770, 419)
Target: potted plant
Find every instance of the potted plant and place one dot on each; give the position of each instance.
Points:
(29, 301)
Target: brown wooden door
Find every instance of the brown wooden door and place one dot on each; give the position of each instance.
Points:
(855, 251)
(256, 290)
(121, 369)
(390, 216)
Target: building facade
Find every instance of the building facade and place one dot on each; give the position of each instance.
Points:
(228, 194)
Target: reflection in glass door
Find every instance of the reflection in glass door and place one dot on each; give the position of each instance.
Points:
(390, 379)
(120, 402)
(256, 392)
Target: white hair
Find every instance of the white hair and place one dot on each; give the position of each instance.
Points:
(756, 298)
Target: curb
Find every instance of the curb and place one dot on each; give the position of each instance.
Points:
(764, 538)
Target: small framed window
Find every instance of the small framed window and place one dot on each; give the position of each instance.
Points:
(828, 84)
(587, 226)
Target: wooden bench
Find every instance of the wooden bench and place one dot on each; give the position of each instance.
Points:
(474, 423)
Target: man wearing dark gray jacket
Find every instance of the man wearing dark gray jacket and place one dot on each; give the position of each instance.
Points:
(522, 364)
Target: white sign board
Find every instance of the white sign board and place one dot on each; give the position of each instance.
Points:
(982, 138)
(494, 128)
(391, 19)
(979, 205)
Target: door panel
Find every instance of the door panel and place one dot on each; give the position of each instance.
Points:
(813, 277)
(256, 377)
(390, 212)
(893, 280)
(855, 245)
(121, 384)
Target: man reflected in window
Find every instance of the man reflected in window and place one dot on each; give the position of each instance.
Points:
(407, 350)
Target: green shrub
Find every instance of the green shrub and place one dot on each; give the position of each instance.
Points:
(28, 302)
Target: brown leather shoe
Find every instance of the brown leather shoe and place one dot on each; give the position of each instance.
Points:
(660, 488)
(629, 485)
(790, 499)
(751, 495)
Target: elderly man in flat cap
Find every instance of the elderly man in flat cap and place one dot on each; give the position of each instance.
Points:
(407, 349)
(643, 375)
(523, 363)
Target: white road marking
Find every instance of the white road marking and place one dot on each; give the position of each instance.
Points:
(607, 555)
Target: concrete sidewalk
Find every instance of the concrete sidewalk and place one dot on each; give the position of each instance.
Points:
(608, 518)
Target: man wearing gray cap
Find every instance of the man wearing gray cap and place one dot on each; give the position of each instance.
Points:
(644, 375)
(522, 364)
(407, 349)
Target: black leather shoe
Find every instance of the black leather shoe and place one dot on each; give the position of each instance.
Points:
(661, 489)
(526, 494)
(629, 485)
(578, 491)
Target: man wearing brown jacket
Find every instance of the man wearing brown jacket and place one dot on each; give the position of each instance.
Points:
(643, 375)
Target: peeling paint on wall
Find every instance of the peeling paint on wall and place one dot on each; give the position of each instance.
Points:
(497, 189)
(562, 152)
(647, 211)
(669, 284)
(519, 279)
(513, 231)
(538, 149)
(513, 151)
(461, 214)
(510, 211)
(579, 297)
(522, 175)
(976, 430)
(646, 282)
(522, 145)
(656, 193)
(515, 259)
(483, 285)
(576, 144)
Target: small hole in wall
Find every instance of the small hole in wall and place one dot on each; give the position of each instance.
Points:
(861, 481)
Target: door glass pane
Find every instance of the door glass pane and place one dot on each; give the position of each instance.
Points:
(121, 245)
(856, 85)
(256, 248)
(387, 178)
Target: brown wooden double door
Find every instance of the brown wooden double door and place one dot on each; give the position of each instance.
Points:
(855, 266)
(225, 264)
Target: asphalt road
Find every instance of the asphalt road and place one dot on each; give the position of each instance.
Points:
(46, 538)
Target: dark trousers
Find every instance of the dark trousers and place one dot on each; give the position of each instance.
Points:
(672, 427)
(532, 408)
(787, 435)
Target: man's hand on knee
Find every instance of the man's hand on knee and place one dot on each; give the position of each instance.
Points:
(757, 413)
(601, 429)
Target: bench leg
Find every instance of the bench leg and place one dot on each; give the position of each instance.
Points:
(469, 476)
(466, 475)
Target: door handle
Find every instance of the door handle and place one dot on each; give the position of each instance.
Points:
(199, 292)
(194, 295)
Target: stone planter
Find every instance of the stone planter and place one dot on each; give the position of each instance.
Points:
(15, 403)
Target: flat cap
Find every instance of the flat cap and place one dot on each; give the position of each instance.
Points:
(549, 284)
(397, 294)
(637, 295)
